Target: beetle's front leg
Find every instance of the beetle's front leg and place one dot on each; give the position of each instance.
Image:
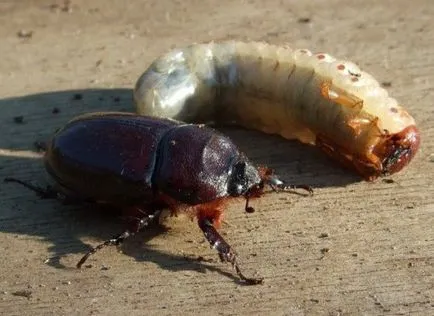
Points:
(225, 251)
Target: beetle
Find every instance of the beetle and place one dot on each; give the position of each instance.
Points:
(145, 164)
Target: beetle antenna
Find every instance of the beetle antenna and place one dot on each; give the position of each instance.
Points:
(247, 208)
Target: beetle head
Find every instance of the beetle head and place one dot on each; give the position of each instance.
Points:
(243, 177)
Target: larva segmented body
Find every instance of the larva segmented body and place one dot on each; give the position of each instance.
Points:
(314, 98)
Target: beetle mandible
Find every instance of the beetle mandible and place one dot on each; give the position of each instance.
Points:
(145, 164)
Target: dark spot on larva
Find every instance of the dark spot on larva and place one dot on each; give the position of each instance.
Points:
(354, 79)
(340, 67)
(116, 99)
(77, 97)
(304, 20)
(386, 84)
(393, 110)
(354, 74)
(303, 51)
(320, 56)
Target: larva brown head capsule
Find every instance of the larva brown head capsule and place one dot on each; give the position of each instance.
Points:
(399, 149)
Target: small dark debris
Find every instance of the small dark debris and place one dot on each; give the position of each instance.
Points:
(77, 96)
(88, 266)
(66, 7)
(105, 268)
(25, 34)
(355, 254)
(314, 300)
(101, 99)
(98, 63)
(388, 181)
(323, 235)
(116, 99)
(55, 110)
(386, 84)
(19, 119)
(304, 20)
(325, 250)
(202, 259)
(23, 293)
(410, 264)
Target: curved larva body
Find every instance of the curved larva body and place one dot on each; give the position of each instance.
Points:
(295, 93)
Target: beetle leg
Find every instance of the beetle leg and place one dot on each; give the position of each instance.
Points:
(40, 146)
(283, 187)
(48, 193)
(225, 251)
(117, 240)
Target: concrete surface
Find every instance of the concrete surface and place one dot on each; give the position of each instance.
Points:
(354, 248)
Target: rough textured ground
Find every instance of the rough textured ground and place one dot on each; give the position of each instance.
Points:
(354, 248)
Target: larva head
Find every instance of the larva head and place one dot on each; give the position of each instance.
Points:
(400, 148)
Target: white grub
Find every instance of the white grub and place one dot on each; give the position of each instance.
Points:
(312, 97)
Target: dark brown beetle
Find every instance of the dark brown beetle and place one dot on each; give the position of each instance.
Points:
(145, 164)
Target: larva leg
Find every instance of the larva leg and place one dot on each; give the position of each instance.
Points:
(138, 225)
(339, 96)
(225, 251)
(366, 166)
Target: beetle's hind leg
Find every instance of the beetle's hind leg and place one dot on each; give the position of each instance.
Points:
(225, 251)
(139, 224)
(44, 193)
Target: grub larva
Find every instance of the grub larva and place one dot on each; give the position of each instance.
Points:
(295, 93)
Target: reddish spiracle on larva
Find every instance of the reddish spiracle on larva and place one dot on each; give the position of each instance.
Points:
(295, 93)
